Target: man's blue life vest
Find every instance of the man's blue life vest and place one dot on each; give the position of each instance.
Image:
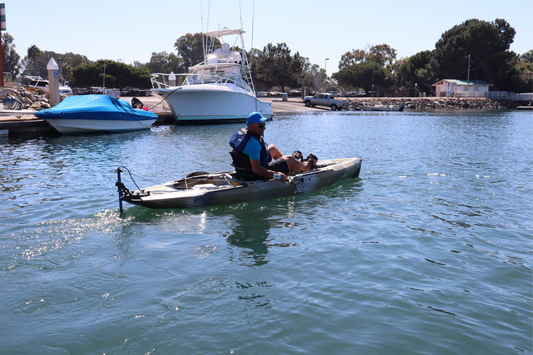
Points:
(241, 137)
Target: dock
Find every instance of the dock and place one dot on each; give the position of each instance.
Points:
(24, 125)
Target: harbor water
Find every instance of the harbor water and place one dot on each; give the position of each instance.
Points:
(428, 252)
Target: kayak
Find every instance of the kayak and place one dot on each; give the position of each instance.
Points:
(209, 189)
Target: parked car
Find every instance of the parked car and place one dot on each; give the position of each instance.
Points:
(325, 99)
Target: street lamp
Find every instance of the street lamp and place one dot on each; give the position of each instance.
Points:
(416, 84)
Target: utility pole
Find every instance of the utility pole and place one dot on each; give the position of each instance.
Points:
(2, 28)
(468, 80)
(326, 70)
(372, 82)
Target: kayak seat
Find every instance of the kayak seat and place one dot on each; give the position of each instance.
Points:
(243, 168)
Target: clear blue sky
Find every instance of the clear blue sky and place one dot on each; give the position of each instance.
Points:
(130, 30)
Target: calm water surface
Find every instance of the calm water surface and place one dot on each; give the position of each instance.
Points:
(428, 252)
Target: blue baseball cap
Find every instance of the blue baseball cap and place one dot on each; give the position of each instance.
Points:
(255, 117)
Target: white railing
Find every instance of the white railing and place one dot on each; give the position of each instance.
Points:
(508, 95)
(523, 97)
(500, 95)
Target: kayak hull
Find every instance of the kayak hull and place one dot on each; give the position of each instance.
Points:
(223, 188)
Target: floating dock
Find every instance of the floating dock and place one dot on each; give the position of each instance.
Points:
(23, 125)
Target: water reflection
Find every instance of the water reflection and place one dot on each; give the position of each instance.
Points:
(247, 227)
(250, 232)
(252, 226)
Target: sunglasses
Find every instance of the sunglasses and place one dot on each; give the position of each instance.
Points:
(261, 125)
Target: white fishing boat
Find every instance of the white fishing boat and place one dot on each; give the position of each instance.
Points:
(205, 189)
(218, 90)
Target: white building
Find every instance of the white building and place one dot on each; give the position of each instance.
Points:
(462, 88)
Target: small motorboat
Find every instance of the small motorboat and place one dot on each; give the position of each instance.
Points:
(380, 107)
(96, 113)
(209, 189)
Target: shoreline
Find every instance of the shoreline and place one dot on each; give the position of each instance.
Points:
(23, 124)
(411, 103)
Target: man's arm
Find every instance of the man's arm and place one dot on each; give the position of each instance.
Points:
(262, 171)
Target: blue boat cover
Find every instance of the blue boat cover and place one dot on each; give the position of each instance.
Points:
(95, 107)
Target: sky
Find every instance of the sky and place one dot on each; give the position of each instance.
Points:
(131, 30)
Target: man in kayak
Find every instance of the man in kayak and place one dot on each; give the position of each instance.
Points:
(266, 160)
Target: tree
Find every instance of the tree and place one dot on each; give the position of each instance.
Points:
(356, 56)
(116, 74)
(356, 68)
(488, 45)
(367, 75)
(66, 62)
(524, 69)
(381, 54)
(191, 49)
(10, 56)
(309, 75)
(527, 57)
(33, 53)
(69, 62)
(420, 69)
(275, 66)
(164, 62)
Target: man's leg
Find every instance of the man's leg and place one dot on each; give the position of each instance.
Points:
(274, 152)
(292, 162)
(295, 164)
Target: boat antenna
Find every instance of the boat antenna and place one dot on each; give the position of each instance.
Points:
(240, 11)
(204, 37)
(202, 18)
(208, 13)
(202, 15)
(251, 44)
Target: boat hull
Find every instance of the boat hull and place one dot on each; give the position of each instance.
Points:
(209, 104)
(73, 126)
(369, 108)
(399, 107)
(223, 188)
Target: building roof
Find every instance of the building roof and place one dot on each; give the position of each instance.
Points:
(463, 82)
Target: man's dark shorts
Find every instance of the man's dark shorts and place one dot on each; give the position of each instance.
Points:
(279, 165)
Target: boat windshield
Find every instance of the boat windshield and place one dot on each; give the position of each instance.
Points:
(219, 75)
